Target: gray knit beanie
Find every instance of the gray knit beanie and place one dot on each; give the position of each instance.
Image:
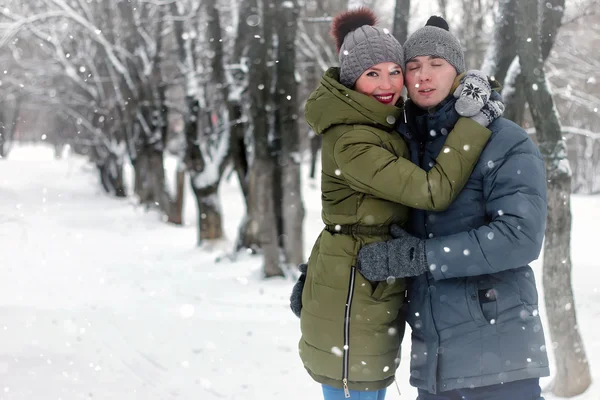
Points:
(361, 45)
(435, 39)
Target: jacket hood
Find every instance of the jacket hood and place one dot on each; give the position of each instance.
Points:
(334, 104)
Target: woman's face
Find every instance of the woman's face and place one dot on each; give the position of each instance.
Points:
(383, 82)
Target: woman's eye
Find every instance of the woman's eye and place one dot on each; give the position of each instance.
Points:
(436, 65)
(395, 73)
(372, 74)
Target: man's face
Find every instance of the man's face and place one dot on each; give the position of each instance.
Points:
(429, 80)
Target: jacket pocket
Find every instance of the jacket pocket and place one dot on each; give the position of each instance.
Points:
(454, 302)
(497, 294)
(473, 302)
(488, 304)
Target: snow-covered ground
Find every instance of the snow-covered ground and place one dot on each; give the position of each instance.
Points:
(102, 300)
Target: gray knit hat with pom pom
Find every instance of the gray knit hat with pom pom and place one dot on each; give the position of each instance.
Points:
(435, 39)
(361, 45)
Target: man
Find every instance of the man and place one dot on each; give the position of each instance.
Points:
(476, 331)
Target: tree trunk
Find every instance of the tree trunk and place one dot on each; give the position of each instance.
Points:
(278, 190)
(514, 94)
(502, 49)
(118, 182)
(474, 13)
(287, 118)
(585, 162)
(150, 184)
(572, 368)
(293, 214)
(3, 136)
(500, 59)
(401, 18)
(312, 81)
(261, 218)
(176, 207)
(237, 147)
(151, 123)
(239, 78)
(205, 183)
(210, 225)
(443, 8)
(572, 373)
(210, 220)
(150, 178)
(239, 158)
(263, 224)
(192, 158)
(501, 63)
(111, 175)
(8, 128)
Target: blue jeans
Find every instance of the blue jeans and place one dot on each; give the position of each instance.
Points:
(526, 389)
(331, 393)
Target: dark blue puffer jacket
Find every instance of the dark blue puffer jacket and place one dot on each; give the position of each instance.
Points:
(475, 318)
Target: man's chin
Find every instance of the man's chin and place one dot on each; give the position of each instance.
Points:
(426, 103)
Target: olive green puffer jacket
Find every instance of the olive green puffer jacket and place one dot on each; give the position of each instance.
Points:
(351, 327)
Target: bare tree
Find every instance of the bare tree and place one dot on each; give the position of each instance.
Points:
(262, 223)
(472, 24)
(572, 70)
(66, 75)
(206, 135)
(287, 124)
(443, 4)
(573, 374)
(9, 117)
(502, 48)
(316, 53)
(238, 76)
(401, 18)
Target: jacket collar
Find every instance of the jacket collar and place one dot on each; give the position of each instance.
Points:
(426, 125)
(332, 103)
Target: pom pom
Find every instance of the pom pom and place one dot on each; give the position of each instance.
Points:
(349, 21)
(438, 22)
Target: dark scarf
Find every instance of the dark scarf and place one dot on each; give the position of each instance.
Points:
(439, 119)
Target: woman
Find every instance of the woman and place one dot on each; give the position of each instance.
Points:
(351, 327)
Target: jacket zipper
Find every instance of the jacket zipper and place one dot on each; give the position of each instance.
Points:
(421, 155)
(346, 357)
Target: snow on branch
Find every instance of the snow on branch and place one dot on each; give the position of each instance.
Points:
(317, 19)
(97, 36)
(213, 169)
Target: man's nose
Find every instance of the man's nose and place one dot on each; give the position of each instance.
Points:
(424, 74)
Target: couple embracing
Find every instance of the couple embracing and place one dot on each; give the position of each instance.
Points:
(433, 209)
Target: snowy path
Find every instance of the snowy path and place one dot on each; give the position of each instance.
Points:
(100, 300)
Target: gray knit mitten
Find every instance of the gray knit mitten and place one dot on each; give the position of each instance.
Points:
(492, 110)
(400, 257)
(472, 93)
(296, 297)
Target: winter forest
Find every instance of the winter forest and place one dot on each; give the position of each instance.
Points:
(159, 186)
